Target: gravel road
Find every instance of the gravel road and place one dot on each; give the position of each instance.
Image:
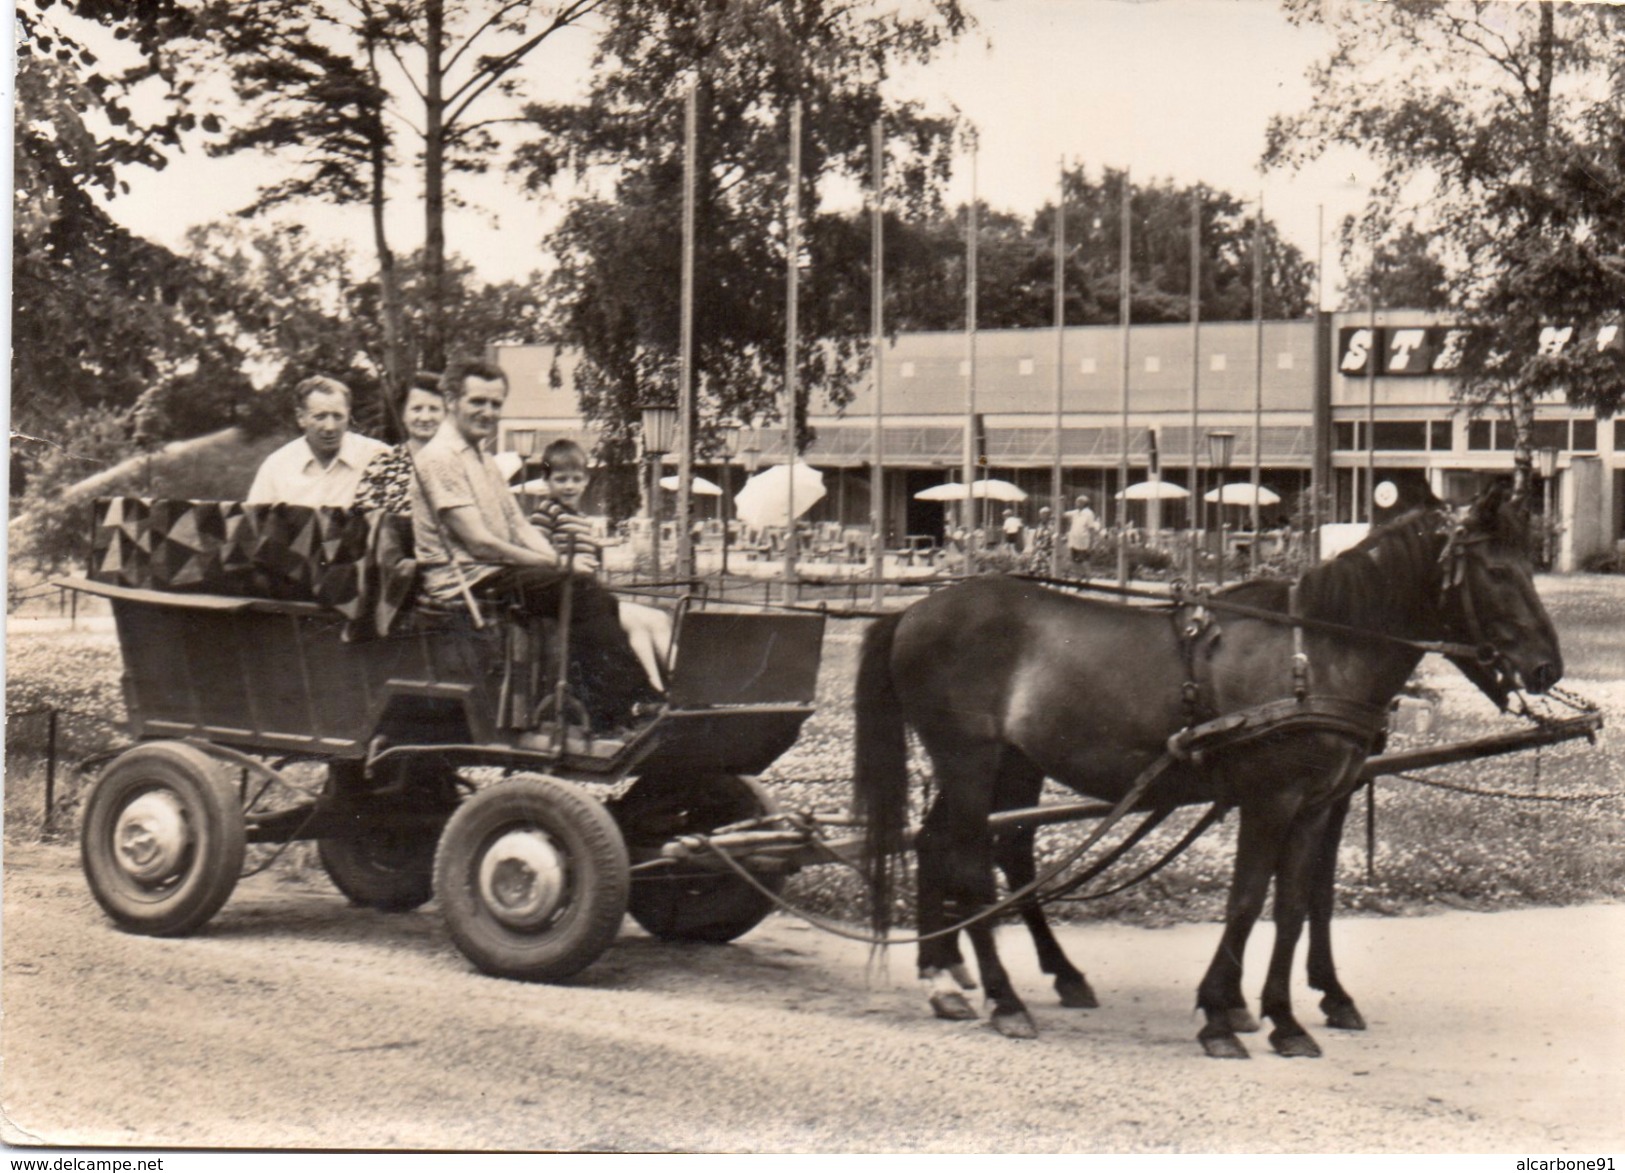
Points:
(295, 1021)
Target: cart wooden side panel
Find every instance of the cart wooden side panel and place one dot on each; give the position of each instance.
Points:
(268, 675)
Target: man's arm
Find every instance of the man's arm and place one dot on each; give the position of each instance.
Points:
(470, 529)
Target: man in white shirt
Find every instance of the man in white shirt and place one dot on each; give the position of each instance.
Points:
(1082, 529)
(324, 466)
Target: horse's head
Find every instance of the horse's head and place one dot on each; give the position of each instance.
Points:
(1490, 600)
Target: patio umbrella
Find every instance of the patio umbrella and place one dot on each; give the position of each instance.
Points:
(699, 486)
(765, 498)
(990, 488)
(1153, 491)
(1240, 493)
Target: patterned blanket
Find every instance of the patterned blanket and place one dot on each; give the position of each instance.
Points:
(355, 562)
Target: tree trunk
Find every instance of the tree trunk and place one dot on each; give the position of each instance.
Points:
(1522, 398)
(389, 282)
(434, 189)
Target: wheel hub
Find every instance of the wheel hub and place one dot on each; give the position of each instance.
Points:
(522, 879)
(151, 837)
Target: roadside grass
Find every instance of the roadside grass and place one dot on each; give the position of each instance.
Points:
(1432, 847)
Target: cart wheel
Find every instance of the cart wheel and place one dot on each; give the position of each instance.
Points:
(382, 865)
(533, 878)
(162, 844)
(387, 868)
(694, 904)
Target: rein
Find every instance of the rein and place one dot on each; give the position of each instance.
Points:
(1179, 596)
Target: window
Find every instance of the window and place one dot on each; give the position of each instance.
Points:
(1619, 435)
(522, 440)
(1439, 438)
(1346, 436)
(1585, 436)
(1400, 436)
(1546, 434)
(1480, 435)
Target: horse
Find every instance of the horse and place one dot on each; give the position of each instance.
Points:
(1267, 699)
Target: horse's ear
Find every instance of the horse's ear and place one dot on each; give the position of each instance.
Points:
(1485, 512)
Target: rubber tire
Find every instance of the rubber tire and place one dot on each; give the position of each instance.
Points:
(695, 904)
(212, 807)
(598, 878)
(391, 871)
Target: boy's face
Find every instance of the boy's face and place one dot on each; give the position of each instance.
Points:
(567, 485)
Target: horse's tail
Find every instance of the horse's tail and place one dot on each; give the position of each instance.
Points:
(880, 775)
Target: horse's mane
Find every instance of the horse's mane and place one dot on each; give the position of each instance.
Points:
(1389, 582)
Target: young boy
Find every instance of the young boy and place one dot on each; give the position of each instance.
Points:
(564, 465)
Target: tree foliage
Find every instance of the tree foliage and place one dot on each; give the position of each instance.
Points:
(95, 307)
(618, 282)
(1497, 126)
(925, 263)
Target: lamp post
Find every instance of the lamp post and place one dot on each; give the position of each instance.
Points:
(1221, 446)
(728, 434)
(659, 436)
(524, 446)
(1546, 462)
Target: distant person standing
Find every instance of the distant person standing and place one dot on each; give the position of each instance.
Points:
(1082, 529)
(1015, 531)
(1043, 543)
(323, 466)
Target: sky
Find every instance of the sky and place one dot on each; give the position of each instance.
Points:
(1172, 89)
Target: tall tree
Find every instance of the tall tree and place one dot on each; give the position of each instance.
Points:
(339, 84)
(1487, 119)
(618, 281)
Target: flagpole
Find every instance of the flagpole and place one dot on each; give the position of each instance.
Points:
(685, 384)
(1195, 498)
(1123, 315)
(968, 511)
(1258, 379)
(793, 239)
(1055, 491)
(877, 326)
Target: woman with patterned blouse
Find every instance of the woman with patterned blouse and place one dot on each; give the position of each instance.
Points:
(387, 482)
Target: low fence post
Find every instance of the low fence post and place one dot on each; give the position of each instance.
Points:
(50, 768)
(1371, 831)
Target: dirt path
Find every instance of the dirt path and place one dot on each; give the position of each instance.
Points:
(295, 1021)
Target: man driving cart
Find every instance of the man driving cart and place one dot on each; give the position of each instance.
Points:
(475, 549)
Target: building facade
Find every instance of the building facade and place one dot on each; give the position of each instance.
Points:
(1331, 410)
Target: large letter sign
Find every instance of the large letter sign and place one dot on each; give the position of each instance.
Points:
(1355, 350)
(1438, 350)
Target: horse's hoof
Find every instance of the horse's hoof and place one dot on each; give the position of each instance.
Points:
(1342, 1015)
(1221, 1044)
(1075, 993)
(961, 974)
(1241, 1020)
(1016, 1024)
(1295, 1045)
(953, 1007)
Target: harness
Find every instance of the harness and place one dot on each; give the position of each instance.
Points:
(1207, 731)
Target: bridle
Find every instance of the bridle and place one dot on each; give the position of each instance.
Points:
(1453, 562)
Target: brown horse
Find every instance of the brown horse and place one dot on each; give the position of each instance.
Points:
(1006, 683)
